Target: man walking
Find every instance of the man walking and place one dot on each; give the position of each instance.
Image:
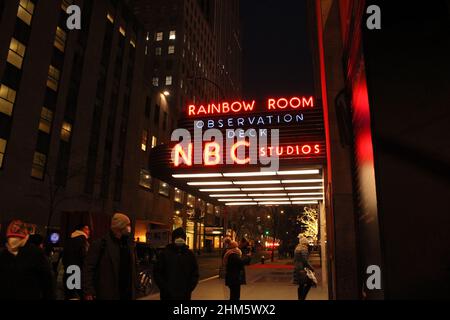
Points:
(110, 267)
(176, 271)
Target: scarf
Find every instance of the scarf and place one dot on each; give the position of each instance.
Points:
(229, 253)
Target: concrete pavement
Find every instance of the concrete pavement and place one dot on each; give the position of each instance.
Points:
(264, 282)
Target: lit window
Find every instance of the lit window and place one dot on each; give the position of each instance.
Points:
(168, 80)
(154, 141)
(133, 43)
(155, 81)
(158, 51)
(45, 123)
(172, 35)
(122, 31)
(60, 39)
(2, 151)
(159, 36)
(110, 18)
(66, 131)
(171, 49)
(26, 10)
(144, 140)
(164, 188)
(179, 195)
(53, 78)
(190, 201)
(16, 53)
(38, 167)
(145, 180)
(7, 99)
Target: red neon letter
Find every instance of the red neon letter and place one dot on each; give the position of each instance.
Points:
(248, 106)
(308, 103)
(272, 104)
(191, 110)
(317, 149)
(212, 150)
(236, 109)
(187, 158)
(286, 103)
(306, 149)
(234, 155)
(296, 102)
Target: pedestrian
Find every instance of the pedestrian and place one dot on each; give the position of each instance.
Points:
(25, 273)
(301, 262)
(176, 271)
(74, 254)
(235, 270)
(110, 266)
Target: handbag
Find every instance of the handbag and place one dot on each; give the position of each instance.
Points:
(311, 276)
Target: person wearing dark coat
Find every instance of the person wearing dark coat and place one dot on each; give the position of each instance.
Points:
(75, 251)
(235, 270)
(176, 271)
(300, 263)
(25, 273)
(109, 271)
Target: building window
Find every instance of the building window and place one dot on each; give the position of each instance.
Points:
(171, 50)
(66, 4)
(164, 188)
(66, 131)
(159, 36)
(168, 80)
(172, 35)
(155, 81)
(154, 141)
(53, 78)
(45, 123)
(122, 31)
(145, 180)
(38, 167)
(26, 10)
(179, 195)
(60, 39)
(144, 140)
(158, 51)
(16, 53)
(133, 43)
(110, 18)
(7, 99)
(2, 151)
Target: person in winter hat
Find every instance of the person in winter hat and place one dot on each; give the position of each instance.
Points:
(235, 270)
(176, 271)
(301, 255)
(25, 273)
(75, 251)
(110, 266)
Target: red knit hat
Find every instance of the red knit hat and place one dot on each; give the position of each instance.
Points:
(17, 229)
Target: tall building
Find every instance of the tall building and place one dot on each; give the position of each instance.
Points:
(75, 114)
(193, 54)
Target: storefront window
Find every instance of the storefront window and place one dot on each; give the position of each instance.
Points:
(210, 208)
(164, 188)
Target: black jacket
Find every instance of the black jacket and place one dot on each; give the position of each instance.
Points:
(102, 266)
(75, 251)
(27, 276)
(235, 274)
(176, 273)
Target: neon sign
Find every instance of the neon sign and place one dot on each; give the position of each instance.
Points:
(239, 107)
(213, 153)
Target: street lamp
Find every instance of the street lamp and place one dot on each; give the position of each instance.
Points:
(166, 93)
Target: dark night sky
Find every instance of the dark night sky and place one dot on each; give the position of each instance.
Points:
(277, 59)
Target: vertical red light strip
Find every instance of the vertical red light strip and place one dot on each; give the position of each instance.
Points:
(323, 81)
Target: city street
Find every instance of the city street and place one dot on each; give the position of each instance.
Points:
(270, 281)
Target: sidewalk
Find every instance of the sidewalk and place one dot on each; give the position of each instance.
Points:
(264, 282)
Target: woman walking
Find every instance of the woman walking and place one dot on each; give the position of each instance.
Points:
(301, 262)
(235, 272)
